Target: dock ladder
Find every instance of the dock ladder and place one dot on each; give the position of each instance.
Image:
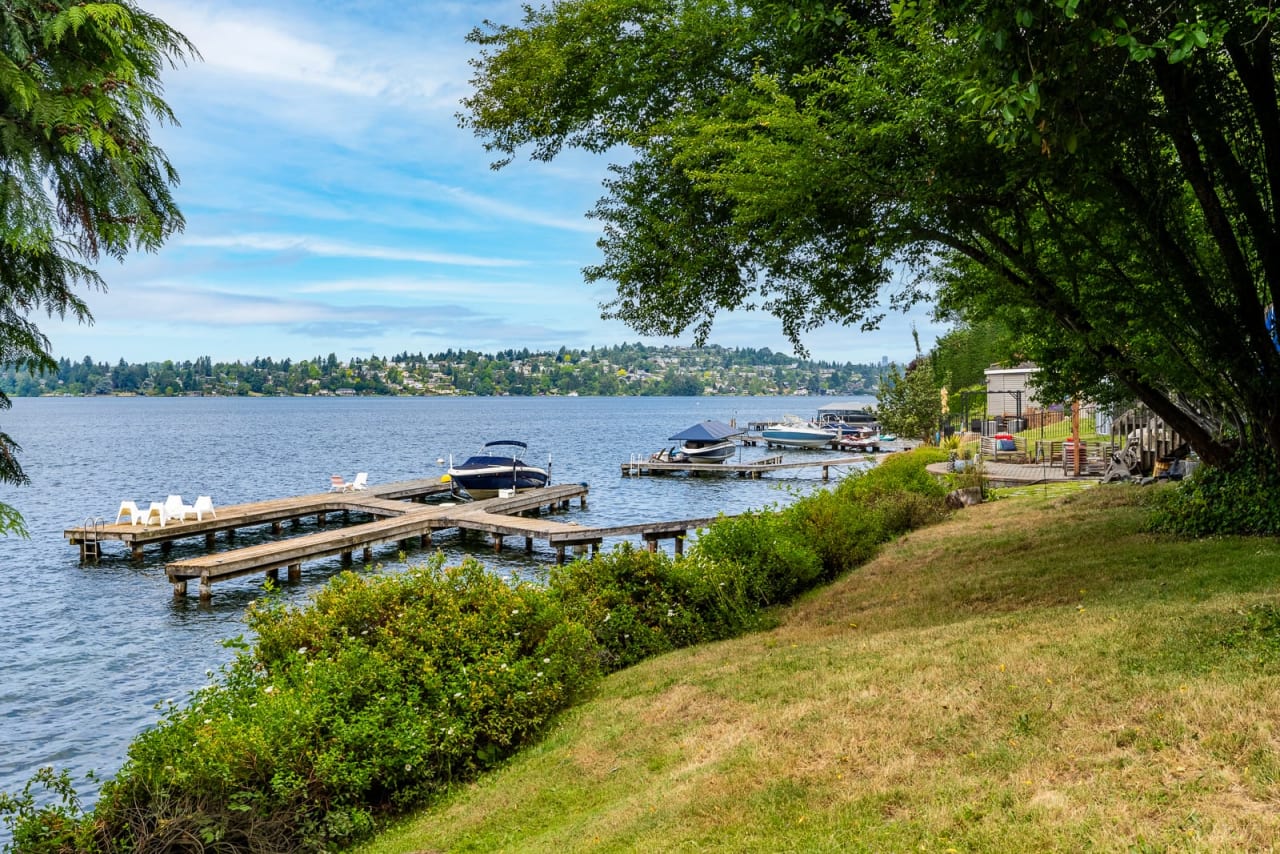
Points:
(90, 544)
(634, 464)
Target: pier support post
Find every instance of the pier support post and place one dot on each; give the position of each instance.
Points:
(273, 574)
(346, 517)
(426, 539)
(679, 544)
(297, 522)
(166, 547)
(231, 534)
(320, 519)
(560, 555)
(206, 587)
(497, 543)
(137, 551)
(346, 558)
(180, 589)
(209, 540)
(652, 543)
(367, 555)
(826, 472)
(275, 527)
(528, 545)
(295, 572)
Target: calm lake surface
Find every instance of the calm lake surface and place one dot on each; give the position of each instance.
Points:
(89, 651)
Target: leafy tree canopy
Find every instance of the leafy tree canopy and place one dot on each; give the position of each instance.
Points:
(79, 175)
(1099, 178)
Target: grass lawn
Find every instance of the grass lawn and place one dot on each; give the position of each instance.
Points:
(1035, 674)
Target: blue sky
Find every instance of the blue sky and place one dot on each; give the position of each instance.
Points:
(333, 205)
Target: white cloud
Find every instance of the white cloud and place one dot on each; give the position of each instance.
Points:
(340, 249)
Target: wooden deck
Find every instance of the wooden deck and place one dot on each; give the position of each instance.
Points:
(638, 467)
(1001, 474)
(396, 519)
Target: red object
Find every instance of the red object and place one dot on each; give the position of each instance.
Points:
(1003, 436)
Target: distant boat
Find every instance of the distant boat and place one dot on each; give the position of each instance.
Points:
(862, 443)
(706, 442)
(491, 471)
(793, 432)
(844, 419)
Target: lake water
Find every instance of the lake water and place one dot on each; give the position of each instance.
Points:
(89, 650)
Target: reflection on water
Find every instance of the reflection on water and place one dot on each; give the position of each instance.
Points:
(90, 650)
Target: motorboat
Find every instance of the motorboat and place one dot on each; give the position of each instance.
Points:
(844, 419)
(861, 442)
(496, 468)
(793, 432)
(706, 442)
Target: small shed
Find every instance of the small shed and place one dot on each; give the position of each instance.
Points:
(1010, 397)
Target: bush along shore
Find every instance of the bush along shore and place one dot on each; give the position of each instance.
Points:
(388, 689)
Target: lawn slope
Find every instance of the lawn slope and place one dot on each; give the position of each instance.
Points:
(1035, 674)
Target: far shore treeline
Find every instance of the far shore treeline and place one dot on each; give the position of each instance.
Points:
(620, 370)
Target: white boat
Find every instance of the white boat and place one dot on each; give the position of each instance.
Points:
(793, 432)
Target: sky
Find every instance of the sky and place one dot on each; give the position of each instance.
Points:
(333, 205)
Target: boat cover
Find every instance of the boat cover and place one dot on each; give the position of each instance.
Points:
(706, 431)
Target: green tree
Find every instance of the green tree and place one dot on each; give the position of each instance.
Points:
(79, 175)
(966, 351)
(908, 402)
(1102, 184)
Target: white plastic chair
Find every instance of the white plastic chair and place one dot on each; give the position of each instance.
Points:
(338, 484)
(155, 513)
(131, 509)
(203, 505)
(176, 510)
(361, 482)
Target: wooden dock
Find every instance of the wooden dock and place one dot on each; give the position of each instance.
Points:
(639, 467)
(397, 518)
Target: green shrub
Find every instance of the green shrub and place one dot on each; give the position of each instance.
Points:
(771, 560)
(1241, 497)
(638, 603)
(846, 525)
(382, 692)
(841, 533)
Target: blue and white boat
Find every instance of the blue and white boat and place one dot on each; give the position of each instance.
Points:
(498, 468)
(792, 432)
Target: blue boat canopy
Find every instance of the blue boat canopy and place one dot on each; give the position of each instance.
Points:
(707, 431)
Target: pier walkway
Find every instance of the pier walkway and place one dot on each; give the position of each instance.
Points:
(397, 518)
(639, 466)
